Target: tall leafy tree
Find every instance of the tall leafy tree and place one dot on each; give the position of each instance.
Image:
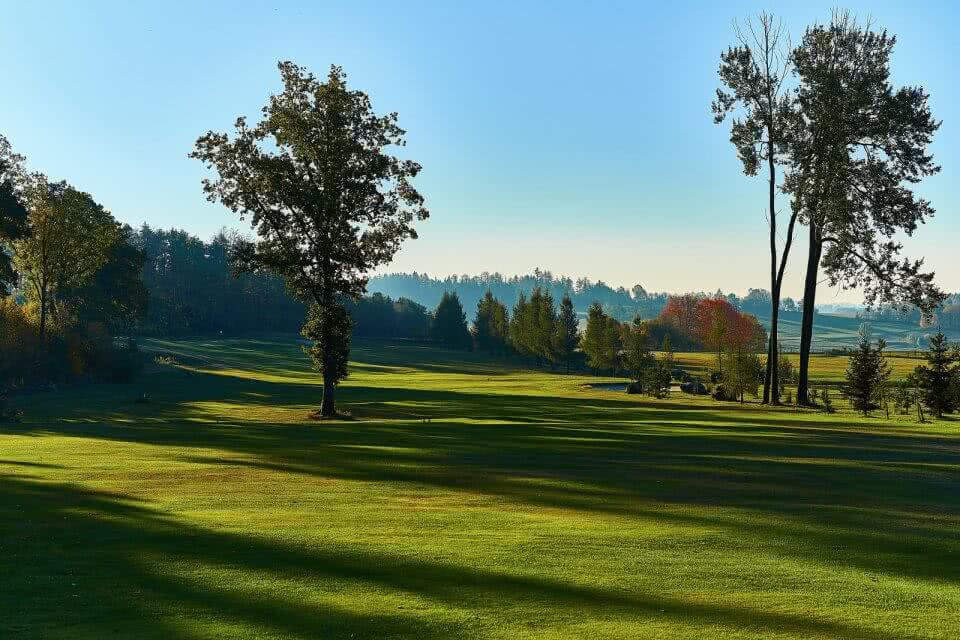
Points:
(567, 333)
(70, 240)
(856, 148)
(328, 201)
(938, 378)
(116, 295)
(13, 213)
(753, 74)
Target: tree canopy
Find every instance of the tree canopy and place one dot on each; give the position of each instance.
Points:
(328, 201)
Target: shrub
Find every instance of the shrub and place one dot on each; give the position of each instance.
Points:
(724, 393)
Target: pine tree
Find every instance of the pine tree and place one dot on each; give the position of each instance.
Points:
(519, 323)
(611, 345)
(546, 327)
(592, 341)
(449, 324)
(937, 379)
(867, 373)
(567, 333)
(490, 325)
(639, 361)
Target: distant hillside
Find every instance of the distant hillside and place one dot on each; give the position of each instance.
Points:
(836, 329)
(833, 331)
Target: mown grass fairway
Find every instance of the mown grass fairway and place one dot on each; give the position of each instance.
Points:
(465, 499)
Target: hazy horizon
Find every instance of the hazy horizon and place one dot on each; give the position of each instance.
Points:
(558, 136)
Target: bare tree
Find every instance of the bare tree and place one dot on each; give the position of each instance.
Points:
(753, 73)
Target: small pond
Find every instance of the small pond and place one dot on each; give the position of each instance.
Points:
(607, 386)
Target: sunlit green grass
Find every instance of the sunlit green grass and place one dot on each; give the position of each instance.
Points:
(467, 497)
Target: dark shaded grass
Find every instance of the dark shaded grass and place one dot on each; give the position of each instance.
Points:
(851, 494)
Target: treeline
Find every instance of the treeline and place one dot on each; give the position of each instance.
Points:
(77, 276)
(548, 334)
(619, 302)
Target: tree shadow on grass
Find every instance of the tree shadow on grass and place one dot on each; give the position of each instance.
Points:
(881, 500)
(82, 563)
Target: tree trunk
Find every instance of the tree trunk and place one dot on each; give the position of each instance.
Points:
(770, 379)
(806, 329)
(327, 406)
(771, 391)
(43, 319)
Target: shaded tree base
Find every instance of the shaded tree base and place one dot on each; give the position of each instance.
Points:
(337, 415)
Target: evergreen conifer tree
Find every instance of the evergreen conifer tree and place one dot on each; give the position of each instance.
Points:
(449, 324)
(867, 373)
(567, 333)
(937, 379)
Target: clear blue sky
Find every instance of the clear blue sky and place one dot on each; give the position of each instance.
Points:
(571, 136)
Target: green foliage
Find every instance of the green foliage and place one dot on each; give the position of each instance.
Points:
(116, 295)
(742, 373)
(13, 214)
(601, 340)
(786, 372)
(192, 290)
(534, 328)
(867, 375)
(329, 329)
(327, 201)
(567, 334)
(491, 326)
(70, 240)
(449, 323)
(546, 326)
(638, 359)
(380, 317)
(938, 379)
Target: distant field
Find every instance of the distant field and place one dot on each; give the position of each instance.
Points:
(842, 331)
(468, 498)
(824, 369)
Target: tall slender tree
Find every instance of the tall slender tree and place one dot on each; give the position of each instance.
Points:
(856, 148)
(328, 201)
(567, 334)
(592, 342)
(520, 325)
(753, 73)
(547, 329)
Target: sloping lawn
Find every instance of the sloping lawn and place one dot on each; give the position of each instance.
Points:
(466, 498)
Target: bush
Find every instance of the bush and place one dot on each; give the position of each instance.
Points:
(18, 344)
(694, 387)
(71, 353)
(724, 393)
